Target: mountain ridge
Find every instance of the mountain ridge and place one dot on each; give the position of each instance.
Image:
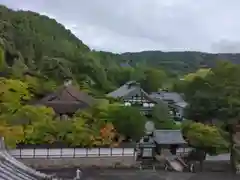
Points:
(45, 46)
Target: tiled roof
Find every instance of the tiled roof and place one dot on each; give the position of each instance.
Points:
(168, 137)
(175, 97)
(12, 169)
(123, 90)
(181, 104)
(170, 96)
(67, 99)
(63, 107)
(68, 93)
(128, 88)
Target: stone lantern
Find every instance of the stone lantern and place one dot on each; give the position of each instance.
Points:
(146, 148)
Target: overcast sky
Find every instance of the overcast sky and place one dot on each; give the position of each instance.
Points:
(136, 25)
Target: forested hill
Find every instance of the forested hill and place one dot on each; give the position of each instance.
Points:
(34, 35)
(36, 43)
(180, 62)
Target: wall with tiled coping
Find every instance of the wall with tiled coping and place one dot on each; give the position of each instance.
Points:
(80, 162)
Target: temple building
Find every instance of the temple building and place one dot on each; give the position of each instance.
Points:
(175, 103)
(131, 94)
(67, 100)
(170, 139)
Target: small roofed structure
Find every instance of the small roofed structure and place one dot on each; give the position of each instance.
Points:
(67, 99)
(169, 139)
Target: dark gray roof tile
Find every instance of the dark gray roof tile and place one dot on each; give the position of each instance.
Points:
(123, 90)
(12, 169)
(128, 88)
(173, 96)
(169, 137)
(67, 99)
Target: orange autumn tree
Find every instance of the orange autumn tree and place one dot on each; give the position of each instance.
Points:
(108, 133)
(106, 136)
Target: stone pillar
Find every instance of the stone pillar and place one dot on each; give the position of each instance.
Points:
(2, 144)
(78, 174)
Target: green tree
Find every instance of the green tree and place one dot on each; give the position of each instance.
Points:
(82, 134)
(28, 114)
(33, 120)
(211, 139)
(2, 59)
(162, 118)
(154, 80)
(216, 97)
(217, 94)
(40, 132)
(39, 86)
(128, 121)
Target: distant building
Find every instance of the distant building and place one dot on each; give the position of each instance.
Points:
(67, 99)
(174, 100)
(133, 95)
(125, 64)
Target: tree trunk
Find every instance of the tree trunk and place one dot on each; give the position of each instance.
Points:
(202, 159)
(232, 153)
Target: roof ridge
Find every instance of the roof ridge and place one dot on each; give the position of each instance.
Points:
(71, 93)
(168, 130)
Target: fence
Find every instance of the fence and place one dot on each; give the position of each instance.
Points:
(74, 152)
(94, 152)
(71, 152)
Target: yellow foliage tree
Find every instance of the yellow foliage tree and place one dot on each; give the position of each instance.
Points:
(199, 73)
(12, 134)
(12, 94)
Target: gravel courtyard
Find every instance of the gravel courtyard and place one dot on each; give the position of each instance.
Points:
(136, 174)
